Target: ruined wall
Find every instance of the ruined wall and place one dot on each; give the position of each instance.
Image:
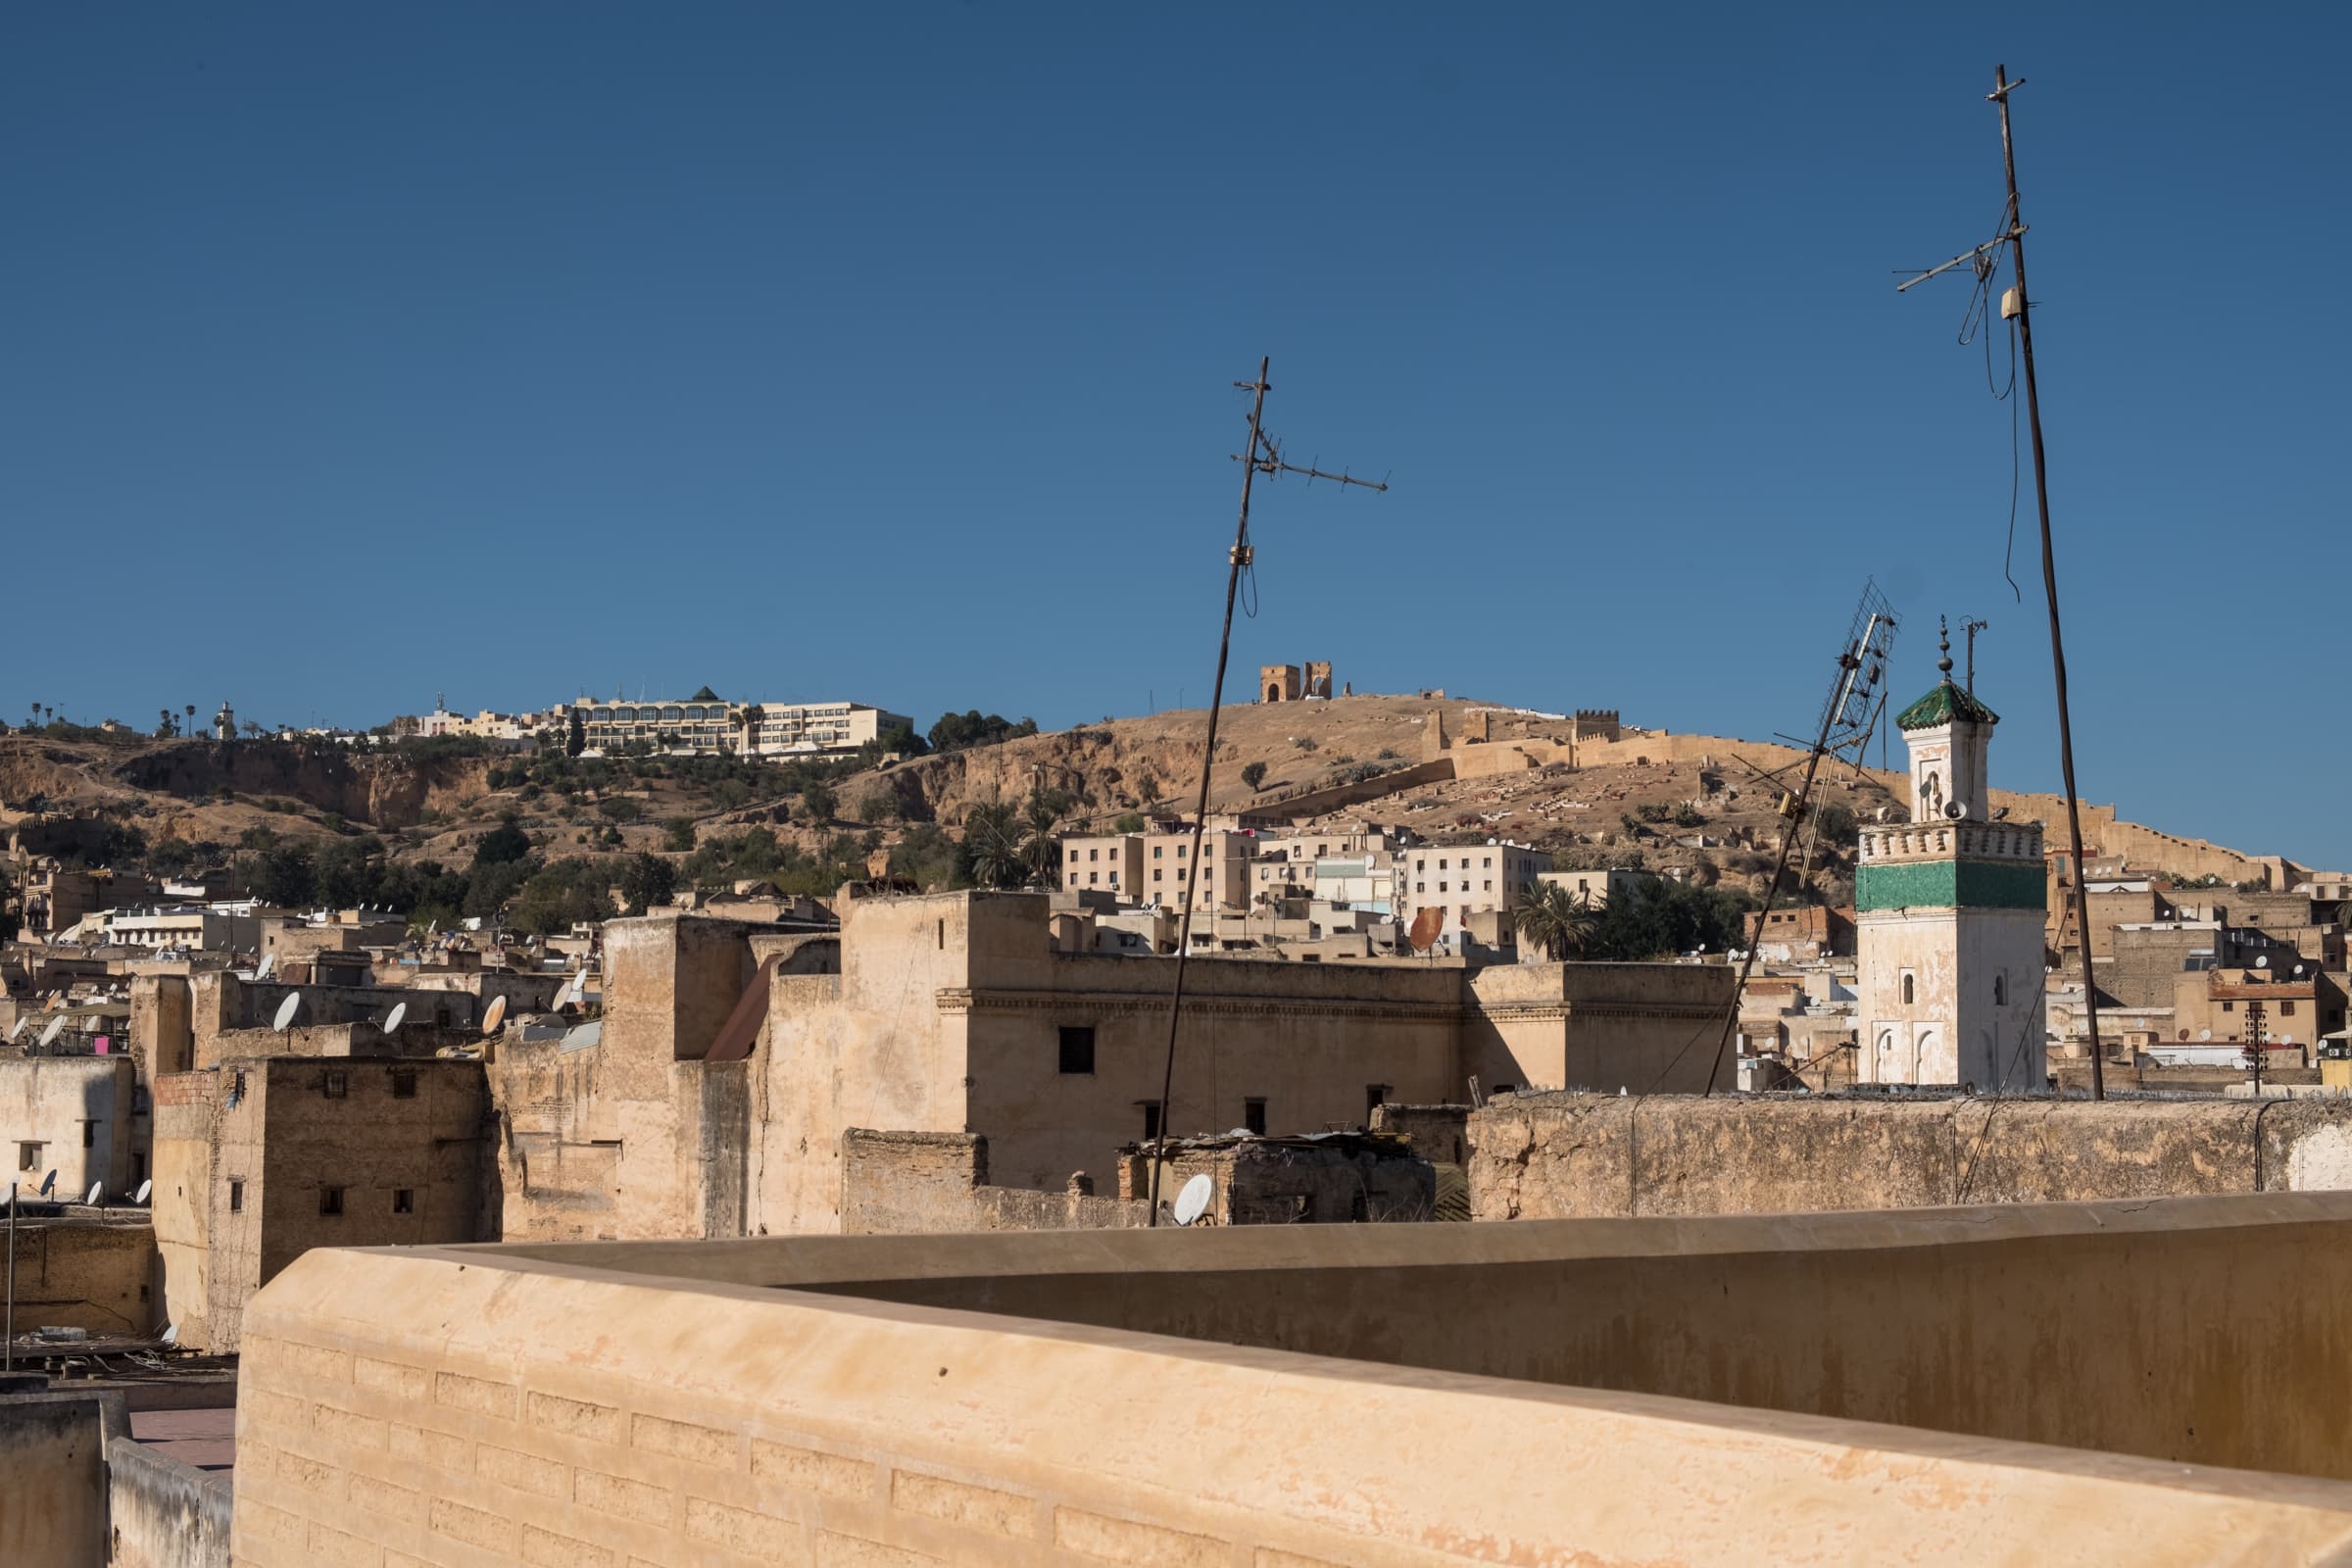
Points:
(162, 1033)
(163, 1513)
(1552, 1157)
(927, 1183)
(1438, 1133)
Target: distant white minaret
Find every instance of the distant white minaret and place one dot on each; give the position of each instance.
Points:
(1948, 918)
(224, 722)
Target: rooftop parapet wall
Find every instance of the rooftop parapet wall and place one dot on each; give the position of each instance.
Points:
(790, 1401)
(1558, 1157)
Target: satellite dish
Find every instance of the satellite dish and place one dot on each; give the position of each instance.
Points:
(2204, 1034)
(48, 1185)
(269, 968)
(1955, 810)
(396, 1017)
(97, 1191)
(16, 1030)
(1192, 1201)
(496, 1017)
(287, 1011)
(2263, 963)
(140, 1197)
(57, 1027)
(170, 1334)
(579, 984)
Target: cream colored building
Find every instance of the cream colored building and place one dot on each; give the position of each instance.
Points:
(1594, 889)
(1463, 880)
(1109, 863)
(1949, 918)
(815, 729)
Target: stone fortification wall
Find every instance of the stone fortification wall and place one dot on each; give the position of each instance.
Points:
(1556, 1156)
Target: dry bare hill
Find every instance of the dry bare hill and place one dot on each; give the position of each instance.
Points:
(1671, 801)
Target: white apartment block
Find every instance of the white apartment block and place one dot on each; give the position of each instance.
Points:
(1465, 879)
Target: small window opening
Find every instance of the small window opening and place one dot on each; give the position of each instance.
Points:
(1078, 1048)
(336, 1083)
(404, 1083)
(331, 1200)
(1254, 1115)
(1150, 1119)
(404, 1200)
(236, 1195)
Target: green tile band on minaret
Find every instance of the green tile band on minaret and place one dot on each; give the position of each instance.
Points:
(1950, 885)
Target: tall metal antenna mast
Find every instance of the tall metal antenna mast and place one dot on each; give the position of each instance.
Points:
(2018, 306)
(1847, 719)
(1972, 625)
(1263, 457)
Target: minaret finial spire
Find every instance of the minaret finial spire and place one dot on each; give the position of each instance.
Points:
(1944, 642)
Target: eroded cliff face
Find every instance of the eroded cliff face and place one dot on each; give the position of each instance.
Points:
(384, 791)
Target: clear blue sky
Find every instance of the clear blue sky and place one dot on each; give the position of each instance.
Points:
(884, 352)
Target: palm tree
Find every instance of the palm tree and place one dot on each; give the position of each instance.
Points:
(992, 834)
(1549, 918)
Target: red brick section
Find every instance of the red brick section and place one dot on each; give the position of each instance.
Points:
(185, 1088)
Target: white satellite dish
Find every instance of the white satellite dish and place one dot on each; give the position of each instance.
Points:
(57, 1027)
(170, 1334)
(396, 1017)
(496, 1017)
(1192, 1201)
(579, 985)
(2204, 1034)
(97, 1191)
(269, 968)
(140, 1197)
(287, 1011)
(2263, 963)
(15, 1030)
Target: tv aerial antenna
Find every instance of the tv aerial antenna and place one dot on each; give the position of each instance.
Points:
(1263, 455)
(2017, 305)
(1847, 714)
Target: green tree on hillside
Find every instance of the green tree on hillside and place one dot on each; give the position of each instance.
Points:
(1254, 774)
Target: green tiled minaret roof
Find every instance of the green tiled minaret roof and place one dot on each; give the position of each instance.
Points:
(1946, 702)
(1941, 706)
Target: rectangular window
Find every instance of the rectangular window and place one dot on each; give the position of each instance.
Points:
(1485, 862)
(2229, 1006)
(1156, 852)
(1490, 884)
(404, 1083)
(1150, 1119)
(89, 1134)
(1254, 1115)
(236, 1195)
(1375, 1097)
(331, 1200)
(2286, 1010)
(404, 1200)
(1078, 1048)
(1155, 874)
(28, 1157)
(335, 1083)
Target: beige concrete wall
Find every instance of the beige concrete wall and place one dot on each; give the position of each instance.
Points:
(481, 1408)
(1600, 1026)
(1553, 1156)
(78, 1111)
(163, 1513)
(162, 1036)
(186, 1112)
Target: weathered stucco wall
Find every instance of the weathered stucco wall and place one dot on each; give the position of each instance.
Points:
(85, 1273)
(77, 1112)
(896, 1183)
(484, 1407)
(1557, 1156)
(52, 1476)
(163, 1513)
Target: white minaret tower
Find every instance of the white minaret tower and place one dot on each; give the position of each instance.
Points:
(1948, 918)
